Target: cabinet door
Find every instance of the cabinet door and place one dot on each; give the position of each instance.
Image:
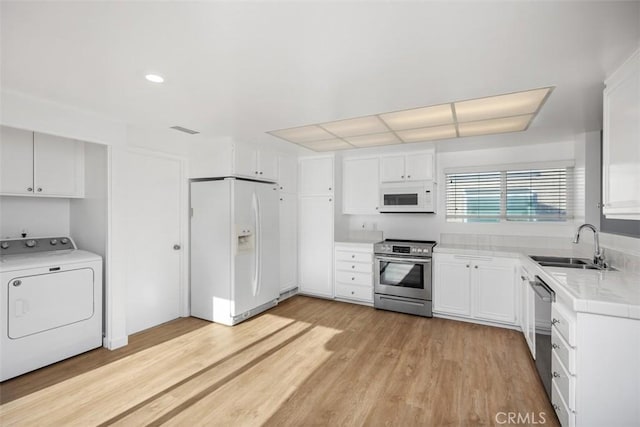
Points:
(530, 332)
(288, 241)
(16, 161)
(419, 167)
(268, 165)
(316, 176)
(315, 256)
(493, 292)
(621, 147)
(58, 166)
(361, 189)
(392, 169)
(245, 161)
(451, 287)
(288, 174)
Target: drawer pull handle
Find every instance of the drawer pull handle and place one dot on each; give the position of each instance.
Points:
(556, 375)
(556, 407)
(555, 346)
(554, 321)
(523, 278)
(353, 266)
(352, 293)
(353, 256)
(353, 278)
(467, 265)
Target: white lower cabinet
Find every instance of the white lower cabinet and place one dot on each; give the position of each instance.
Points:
(481, 288)
(315, 245)
(354, 271)
(527, 310)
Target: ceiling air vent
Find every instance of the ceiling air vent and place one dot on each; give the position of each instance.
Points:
(185, 130)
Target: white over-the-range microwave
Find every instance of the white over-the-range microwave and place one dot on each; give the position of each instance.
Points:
(409, 197)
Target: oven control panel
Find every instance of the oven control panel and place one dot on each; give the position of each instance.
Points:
(411, 248)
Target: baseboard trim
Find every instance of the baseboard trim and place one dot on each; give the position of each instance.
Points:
(477, 321)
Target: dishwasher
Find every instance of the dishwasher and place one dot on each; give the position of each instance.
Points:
(545, 296)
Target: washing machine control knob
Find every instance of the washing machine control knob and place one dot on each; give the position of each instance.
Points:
(30, 243)
(64, 241)
(4, 245)
(53, 242)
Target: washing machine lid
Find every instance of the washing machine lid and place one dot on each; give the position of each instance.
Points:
(46, 259)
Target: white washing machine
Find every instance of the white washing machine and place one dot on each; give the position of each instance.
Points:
(50, 303)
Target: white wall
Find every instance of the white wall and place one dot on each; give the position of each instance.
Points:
(38, 216)
(429, 226)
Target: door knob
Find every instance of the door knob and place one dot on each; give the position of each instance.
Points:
(176, 247)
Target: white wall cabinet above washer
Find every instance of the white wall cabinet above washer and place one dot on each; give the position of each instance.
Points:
(621, 142)
(410, 167)
(253, 163)
(360, 186)
(36, 164)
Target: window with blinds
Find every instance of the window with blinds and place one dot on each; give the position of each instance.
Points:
(512, 195)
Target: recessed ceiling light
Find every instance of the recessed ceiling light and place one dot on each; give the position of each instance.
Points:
(356, 127)
(154, 78)
(419, 117)
(428, 134)
(485, 127)
(387, 138)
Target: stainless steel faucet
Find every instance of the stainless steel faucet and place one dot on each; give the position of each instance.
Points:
(598, 255)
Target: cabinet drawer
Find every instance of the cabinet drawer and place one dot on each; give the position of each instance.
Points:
(565, 416)
(564, 351)
(365, 279)
(353, 256)
(349, 291)
(564, 381)
(360, 267)
(565, 323)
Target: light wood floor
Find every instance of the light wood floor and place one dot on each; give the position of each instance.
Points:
(306, 362)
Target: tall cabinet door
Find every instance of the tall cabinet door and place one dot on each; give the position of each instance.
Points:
(288, 241)
(268, 243)
(58, 166)
(316, 176)
(361, 186)
(16, 161)
(316, 245)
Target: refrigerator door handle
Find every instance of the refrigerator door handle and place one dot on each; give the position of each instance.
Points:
(256, 250)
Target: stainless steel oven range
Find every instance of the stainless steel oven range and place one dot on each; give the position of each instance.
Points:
(403, 276)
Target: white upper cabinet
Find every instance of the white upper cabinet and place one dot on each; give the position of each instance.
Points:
(16, 161)
(288, 174)
(410, 167)
(250, 162)
(361, 186)
(40, 165)
(621, 142)
(316, 175)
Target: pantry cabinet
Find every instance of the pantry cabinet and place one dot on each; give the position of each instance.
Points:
(621, 146)
(253, 163)
(36, 164)
(288, 241)
(316, 175)
(411, 167)
(479, 288)
(361, 189)
(288, 174)
(316, 245)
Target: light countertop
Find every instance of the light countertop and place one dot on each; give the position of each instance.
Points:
(611, 293)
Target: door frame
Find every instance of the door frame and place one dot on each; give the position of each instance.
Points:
(115, 299)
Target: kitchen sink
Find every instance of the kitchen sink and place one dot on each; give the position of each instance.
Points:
(566, 262)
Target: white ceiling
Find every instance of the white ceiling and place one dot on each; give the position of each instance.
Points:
(240, 69)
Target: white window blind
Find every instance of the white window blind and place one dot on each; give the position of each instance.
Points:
(513, 195)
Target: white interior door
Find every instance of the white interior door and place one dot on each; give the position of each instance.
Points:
(153, 269)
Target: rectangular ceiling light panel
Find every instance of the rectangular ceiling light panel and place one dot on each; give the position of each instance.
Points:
(302, 134)
(328, 145)
(493, 107)
(428, 134)
(355, 127)
(419, 117)
(374, 140)
(486, 127)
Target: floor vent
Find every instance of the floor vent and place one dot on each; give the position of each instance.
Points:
(185, 130)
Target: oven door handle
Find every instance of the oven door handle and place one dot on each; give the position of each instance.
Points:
(406, 260)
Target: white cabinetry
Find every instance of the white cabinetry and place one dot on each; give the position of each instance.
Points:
(288, 241)
(411, 167)
(480, 288)
(315, 229)
(621, 142)
(361, 189)
(354, 271)
(288, 174)
(35, 164)
(527, 310)
(251, 162)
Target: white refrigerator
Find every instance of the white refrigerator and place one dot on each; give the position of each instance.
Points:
(235, 253)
